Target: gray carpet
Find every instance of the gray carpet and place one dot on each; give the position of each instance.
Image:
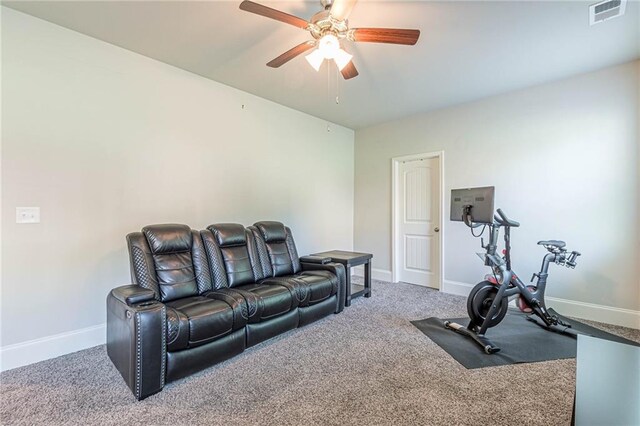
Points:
(366, 366)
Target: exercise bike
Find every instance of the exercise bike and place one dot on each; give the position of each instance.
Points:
(488, 301)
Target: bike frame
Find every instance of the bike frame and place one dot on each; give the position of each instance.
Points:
(509, 284)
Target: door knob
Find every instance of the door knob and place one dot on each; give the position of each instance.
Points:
(436, 229)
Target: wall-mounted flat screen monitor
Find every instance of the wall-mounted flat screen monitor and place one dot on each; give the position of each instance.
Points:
(478, 202)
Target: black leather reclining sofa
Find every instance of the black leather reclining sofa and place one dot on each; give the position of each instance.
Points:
(199, 298)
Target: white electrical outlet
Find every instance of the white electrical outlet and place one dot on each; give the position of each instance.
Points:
(27, 214)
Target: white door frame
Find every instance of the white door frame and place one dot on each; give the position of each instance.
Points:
(395, 252)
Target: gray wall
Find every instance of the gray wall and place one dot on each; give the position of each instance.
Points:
(106, 141)
(568, 170)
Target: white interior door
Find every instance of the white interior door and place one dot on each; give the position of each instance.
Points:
(418, 219)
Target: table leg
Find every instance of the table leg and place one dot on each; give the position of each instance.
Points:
(367, 279)
(347, 298)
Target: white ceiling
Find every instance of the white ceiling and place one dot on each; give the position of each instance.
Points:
(467, 50)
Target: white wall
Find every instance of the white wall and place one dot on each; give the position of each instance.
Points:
(106, 141)
(564, 160)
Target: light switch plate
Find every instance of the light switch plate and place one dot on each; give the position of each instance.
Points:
(27, 214)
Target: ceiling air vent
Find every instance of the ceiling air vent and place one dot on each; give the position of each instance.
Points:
(606, 10)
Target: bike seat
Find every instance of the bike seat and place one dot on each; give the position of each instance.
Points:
(554, 243)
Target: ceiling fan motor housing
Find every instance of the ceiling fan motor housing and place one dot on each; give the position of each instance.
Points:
(322, 23)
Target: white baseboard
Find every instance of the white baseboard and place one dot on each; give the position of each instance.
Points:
(376, 274)
(590, 311)
(456, 287)
(24, 353)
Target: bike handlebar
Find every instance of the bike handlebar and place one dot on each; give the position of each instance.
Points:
(504, 220)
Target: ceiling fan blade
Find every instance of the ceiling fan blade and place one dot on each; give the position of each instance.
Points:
(268, 12)
(385, 35)
(290, 54)
(340, 9)
(349, 71)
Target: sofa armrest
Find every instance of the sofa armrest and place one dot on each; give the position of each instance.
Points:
(133, 294)
(315, 259)
(339, 271)
(137, 339)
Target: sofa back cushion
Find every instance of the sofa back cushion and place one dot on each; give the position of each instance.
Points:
(171, 251)
(277, 249)
(169, 259)
(231, 253)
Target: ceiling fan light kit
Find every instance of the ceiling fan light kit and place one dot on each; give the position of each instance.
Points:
(328, 48)
(328, 28)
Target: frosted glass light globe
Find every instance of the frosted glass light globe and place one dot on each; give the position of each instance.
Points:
(329, 46)
(315, 59)
(342, 59)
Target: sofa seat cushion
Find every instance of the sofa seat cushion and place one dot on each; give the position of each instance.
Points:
(311, 287)
(322, 285)
(273, 300)
(194, 321)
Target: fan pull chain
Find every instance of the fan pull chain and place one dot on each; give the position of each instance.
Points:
(328, 93)
(329, 88)
(337, 86)
(328, 82)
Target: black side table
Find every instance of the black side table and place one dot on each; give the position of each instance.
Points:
(350, 259)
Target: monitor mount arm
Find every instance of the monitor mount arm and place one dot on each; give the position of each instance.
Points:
(467, 218)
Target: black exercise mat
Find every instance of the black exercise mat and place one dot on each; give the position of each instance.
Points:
(519, 340)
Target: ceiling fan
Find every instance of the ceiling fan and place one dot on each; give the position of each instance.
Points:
(328, 28)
